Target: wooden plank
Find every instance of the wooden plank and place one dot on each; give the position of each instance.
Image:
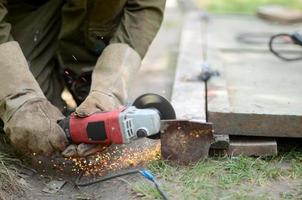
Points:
(221, 142)
(256, 94)
(247, 146)
(253, 147)
(188, 94)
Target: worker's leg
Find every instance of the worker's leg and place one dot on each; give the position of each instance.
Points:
(87, 26)
(36, 28)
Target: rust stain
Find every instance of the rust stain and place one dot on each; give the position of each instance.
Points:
(186, 141)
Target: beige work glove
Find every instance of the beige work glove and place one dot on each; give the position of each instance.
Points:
(110, 79)
(30, 121)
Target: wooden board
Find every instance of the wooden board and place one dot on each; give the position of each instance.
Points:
(256, 94)
(253, 147)
(242, 33)
(188, 94)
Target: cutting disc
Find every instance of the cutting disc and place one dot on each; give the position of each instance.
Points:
(158, 102)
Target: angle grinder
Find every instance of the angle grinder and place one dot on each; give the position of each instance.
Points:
(122, 125)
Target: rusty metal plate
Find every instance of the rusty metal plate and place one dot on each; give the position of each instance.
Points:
(186, 141)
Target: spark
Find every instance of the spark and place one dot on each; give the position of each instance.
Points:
(116, 158)
(74, 58)
(112, 159)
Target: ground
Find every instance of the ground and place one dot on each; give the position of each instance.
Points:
(230, 178)
(225, 177)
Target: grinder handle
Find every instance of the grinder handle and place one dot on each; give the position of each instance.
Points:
(98, 128)
(64, 124)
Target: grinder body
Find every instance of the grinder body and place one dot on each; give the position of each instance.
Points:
(119, 126)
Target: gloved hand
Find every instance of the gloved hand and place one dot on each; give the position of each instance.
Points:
(110, 79)
(30, 121)
(33, 127)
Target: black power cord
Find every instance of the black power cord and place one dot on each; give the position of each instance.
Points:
(274, 39)
(145, 173)
(296, 39)
(104, 178)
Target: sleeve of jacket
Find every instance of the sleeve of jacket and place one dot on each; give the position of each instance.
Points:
(140, 22)
(5, 27)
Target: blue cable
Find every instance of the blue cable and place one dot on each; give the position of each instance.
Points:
(148, 175)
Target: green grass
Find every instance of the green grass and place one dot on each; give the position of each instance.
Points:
(11, 184)
(225, 178)
(295, 194)
(145, 191)
(244, 6)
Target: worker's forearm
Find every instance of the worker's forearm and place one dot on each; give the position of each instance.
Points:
(17, 84)
(140, 23)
